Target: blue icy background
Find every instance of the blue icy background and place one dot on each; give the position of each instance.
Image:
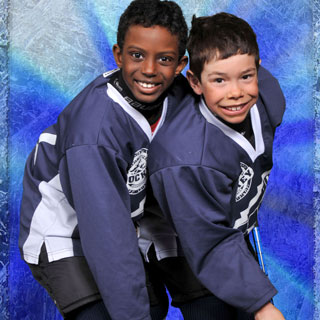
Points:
(49, 50)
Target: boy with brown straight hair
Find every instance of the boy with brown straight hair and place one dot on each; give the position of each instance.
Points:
(210, 164)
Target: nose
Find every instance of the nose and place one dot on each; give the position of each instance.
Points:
(235, 90)
(149, 67)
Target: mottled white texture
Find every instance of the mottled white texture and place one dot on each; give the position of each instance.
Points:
(109, 11)
(52, 38)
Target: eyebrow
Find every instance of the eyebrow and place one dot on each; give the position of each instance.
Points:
(217, 73)
(159, 53)
(249, 70)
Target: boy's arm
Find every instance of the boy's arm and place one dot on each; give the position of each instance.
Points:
(108, 237)
(198, 201)
(271, 96)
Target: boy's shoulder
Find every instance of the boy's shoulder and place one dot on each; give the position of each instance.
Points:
(180, 139)
(180, 88)
(271, 96)
(91, 111)
(89, 100)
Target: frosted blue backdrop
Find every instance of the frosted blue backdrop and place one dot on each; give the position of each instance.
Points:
(49, 50)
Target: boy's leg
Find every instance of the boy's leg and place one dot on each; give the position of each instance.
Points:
(241, 315)
(159, 301)
(98, 311)
(208, 308)
(212, 308)
(91, 311)
(71, 286)
(68, 281)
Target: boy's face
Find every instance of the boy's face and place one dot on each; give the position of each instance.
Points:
(149, 61)
(229, 86)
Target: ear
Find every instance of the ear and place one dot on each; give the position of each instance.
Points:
(181, 65)
(194, 82)
(117, 55)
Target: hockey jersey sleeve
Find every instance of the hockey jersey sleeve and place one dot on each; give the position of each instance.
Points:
(197, 199)
(271, 96)
(107, 233)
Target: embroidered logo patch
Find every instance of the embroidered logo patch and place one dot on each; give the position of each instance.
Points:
(137, 174)
(245, 180)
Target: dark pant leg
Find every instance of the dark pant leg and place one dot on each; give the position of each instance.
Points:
(188, 294)
(241, 315)
(178, 278)
(208, 308)
(212, 308)
(68, 281)
(159, 301)
(91, 311)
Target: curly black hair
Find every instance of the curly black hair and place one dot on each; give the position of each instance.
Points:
(148, 13)
(219, 36)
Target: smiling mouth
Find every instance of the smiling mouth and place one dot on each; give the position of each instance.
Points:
(235, 108)
(147, 85)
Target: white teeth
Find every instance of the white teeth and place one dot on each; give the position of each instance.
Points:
(234, 108)
(146, 85)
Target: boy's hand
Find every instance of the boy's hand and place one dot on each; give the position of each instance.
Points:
(268, 312)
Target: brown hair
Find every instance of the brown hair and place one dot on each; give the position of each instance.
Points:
(219, 36)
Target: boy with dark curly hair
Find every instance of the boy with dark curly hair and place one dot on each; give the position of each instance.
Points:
(85, 181)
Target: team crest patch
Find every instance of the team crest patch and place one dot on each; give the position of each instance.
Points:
(137, 174)
(245, 180)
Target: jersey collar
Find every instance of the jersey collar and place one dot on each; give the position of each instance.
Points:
(236, 136)
(114, 94)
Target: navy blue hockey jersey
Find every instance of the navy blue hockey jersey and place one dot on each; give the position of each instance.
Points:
(209, 181)
(86, 179)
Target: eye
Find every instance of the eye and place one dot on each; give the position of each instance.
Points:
(136, 55)
(218, 80)
(166, 60)
(247, 76)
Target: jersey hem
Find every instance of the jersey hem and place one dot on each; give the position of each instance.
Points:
(265, 299)
(52, 256)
